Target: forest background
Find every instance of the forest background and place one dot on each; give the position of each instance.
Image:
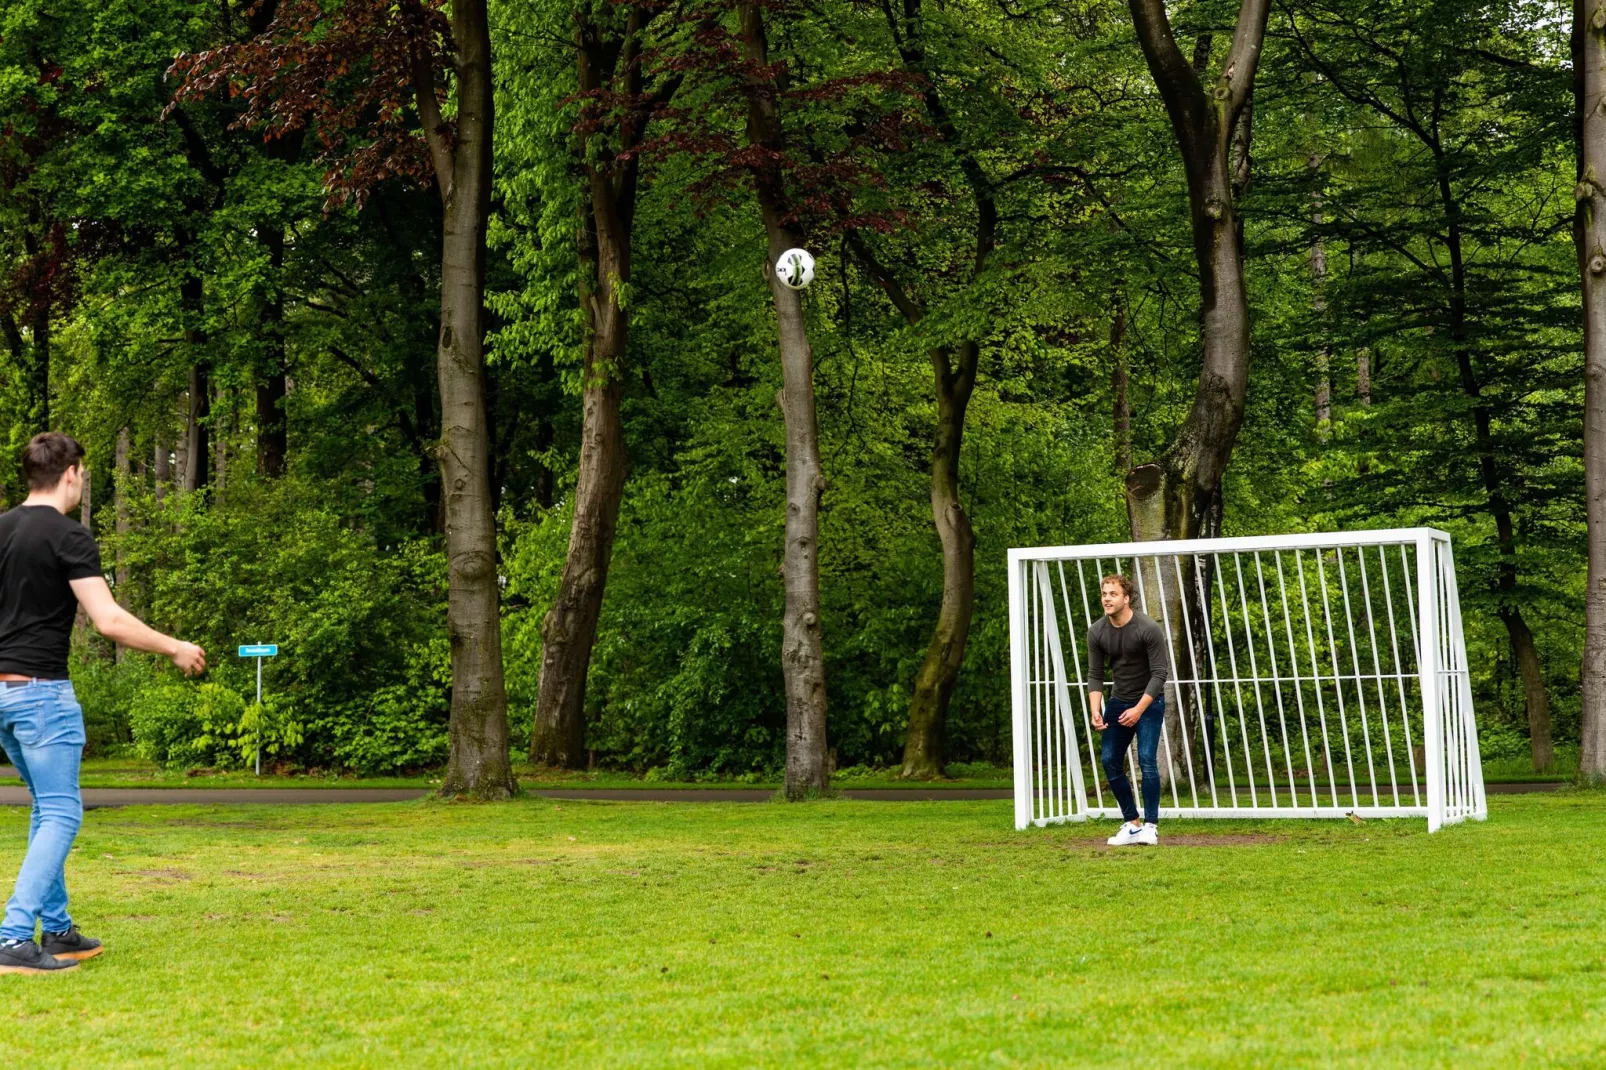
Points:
(238, 315)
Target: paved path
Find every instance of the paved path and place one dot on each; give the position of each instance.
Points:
(98, 797)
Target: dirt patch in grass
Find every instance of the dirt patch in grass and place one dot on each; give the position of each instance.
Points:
(1240, 839)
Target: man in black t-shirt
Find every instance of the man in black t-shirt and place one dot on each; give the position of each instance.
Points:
(49, 566)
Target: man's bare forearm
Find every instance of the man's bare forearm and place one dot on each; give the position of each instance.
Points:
(130, 631)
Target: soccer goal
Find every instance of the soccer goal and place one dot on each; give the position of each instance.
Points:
(1311, 676)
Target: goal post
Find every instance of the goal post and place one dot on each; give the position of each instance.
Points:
(1315, 675)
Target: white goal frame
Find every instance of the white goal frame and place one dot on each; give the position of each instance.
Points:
(1311, 670)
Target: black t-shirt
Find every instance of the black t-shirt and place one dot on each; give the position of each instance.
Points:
(40, 552)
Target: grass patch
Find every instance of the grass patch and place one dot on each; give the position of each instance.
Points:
(556, 932)
(129, 772)
(139, 773)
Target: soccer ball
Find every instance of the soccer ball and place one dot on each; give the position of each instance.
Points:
(796, 269)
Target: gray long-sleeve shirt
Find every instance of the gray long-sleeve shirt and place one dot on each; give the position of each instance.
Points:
(1135, 653)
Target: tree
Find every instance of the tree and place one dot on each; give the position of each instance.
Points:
(954, 368)
(1178, 496)
(620, 99)
(1589, 232)
(802, 655)
(345, 68)
(1440, 99)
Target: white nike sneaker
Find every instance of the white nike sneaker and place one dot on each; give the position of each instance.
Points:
(1148, 835)
(1127, 837)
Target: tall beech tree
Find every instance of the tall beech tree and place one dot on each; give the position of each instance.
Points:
(802, 652)
(371, 79)
(619, 102)
(1178, 495)
(953, 367)
(1589, 232)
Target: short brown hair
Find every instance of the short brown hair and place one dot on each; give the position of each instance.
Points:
(47, 456)
(1116, 577)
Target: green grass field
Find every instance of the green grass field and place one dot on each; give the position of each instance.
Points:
(131, 772)
(139, 773)
(544, 933)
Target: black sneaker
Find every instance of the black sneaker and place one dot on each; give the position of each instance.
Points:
(25, 956)
(71, 944)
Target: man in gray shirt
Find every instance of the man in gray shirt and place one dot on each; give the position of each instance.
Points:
(1133, 647)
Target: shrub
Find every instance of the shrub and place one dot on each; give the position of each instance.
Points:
(361, 677)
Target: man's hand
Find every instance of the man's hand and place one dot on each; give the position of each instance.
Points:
(190, 659)
(1133, 714)
(1096, 709)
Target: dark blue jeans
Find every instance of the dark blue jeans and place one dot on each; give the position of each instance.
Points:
(1117, 738)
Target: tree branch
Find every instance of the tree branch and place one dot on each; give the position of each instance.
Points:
(890, 286)
(429, 107)
(1248, 39)
(1173, 75)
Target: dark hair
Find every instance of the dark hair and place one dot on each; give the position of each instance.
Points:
(47, 456)
(1116, 577)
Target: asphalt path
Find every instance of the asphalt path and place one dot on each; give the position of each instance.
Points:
(98, 797)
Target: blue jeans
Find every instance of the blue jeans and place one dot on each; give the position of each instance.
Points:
(42, 731)
(1117, 738)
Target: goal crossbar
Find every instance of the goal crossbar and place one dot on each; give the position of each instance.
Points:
(1312, 675)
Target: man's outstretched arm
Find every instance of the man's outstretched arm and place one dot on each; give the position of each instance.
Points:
(121, 626)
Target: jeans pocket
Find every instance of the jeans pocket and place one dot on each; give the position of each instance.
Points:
(49, 715)
(65, 721)
(23, 711)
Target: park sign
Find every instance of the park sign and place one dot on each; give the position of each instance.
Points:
(259, 651)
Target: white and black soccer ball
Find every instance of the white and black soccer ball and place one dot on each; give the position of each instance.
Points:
(795, 268)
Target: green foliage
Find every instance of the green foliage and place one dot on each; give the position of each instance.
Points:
(181, 725)
(186, 725)
(139, 246)
(360, 680)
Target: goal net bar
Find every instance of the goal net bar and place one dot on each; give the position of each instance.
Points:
(1314, 675)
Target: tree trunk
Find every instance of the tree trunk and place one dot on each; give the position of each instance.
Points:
(557, 732)
(197, 429)
(1318, 307)
(802, 650)
(478, 765)
(1498, 504)
(1533, 688)
(1179, 495)
(1180, 498)
(923, 748)
(161, 468)
(924, 752)
(1589, 232)
(123, 480)
(557, 736)
(39, 371)
(272, 430)
(1119, 385)
(198, 410)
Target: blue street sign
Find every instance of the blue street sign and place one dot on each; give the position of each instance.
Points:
(260, 650)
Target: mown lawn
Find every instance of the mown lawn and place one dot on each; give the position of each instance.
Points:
(131, 772)
(544, 933)
(128, 772)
